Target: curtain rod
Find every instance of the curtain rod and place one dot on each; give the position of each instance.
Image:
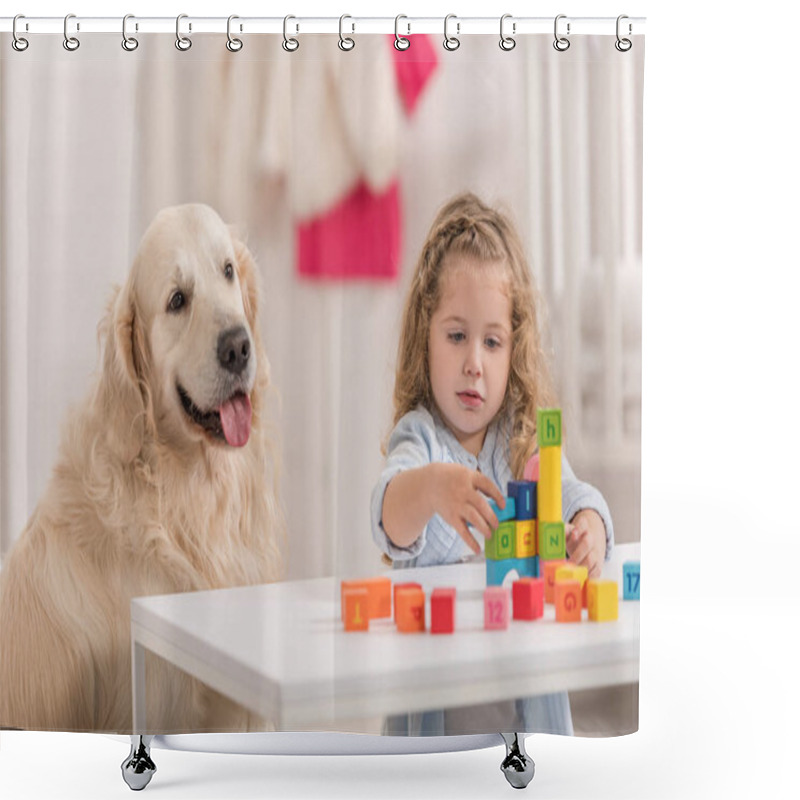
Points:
(514, 26)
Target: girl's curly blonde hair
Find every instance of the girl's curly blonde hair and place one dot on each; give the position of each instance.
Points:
(465, 226)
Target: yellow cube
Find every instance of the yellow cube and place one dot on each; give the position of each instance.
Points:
(525, 545)
(602, 600)
(548, 489)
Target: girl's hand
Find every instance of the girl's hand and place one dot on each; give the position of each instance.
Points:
(458, 497)
(586, 541)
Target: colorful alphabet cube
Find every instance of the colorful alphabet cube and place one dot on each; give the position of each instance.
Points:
(398, 586)
(410, 609)
(549, 569)
(603, 600)
(524, 494)
(506, 513)
(568, 601)
(525, 538)
(631, 572)
(495, 608)
(502, 542)
(528, 598)
(548, 427)
(443, 610)
(379, 591)
(576, 573)
(355, 609)
(552, 541)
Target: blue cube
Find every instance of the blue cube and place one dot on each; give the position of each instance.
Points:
(507, 513)
(631, 572)
(524, 494)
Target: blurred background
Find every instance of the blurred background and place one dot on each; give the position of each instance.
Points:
(332, 165)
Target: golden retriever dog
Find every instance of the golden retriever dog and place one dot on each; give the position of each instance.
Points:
(165, 482)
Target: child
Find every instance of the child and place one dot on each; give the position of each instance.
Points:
(470, 375)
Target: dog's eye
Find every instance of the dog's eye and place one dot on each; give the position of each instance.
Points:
(176, 302)
(229, 271)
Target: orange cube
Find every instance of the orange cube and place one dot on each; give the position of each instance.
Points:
(568, 601)
(550, 568)
(380, 595)
(575, 573)
(409, 612)
(402, 586)
(355, 609)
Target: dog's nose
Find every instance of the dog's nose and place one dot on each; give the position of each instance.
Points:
(233, 350)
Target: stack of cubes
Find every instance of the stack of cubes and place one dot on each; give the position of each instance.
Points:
(531, 528)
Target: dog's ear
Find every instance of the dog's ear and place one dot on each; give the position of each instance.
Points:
(248, 278)
(120, 397)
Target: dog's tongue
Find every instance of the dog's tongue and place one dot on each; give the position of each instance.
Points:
(235, 416)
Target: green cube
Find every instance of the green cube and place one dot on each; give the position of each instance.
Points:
(548, 427)
(552, 542)
(501, 545)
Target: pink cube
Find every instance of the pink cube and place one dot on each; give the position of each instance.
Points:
(528, 596)
(495, 608)
(443, 610)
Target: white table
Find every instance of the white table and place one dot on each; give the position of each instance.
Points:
(281, 650)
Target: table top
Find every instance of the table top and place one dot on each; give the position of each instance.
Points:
(281, 649)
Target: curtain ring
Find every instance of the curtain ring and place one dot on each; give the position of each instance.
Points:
(507, 42)
(623, 45)
(289, 44)
(561, 43)
(70, 42)
(345, 42)
(17, 42)
(451, 43)
(129, 43)
(400, 42)
(183, 43)
(233, 44)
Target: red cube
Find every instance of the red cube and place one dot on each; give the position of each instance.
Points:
(528, 597)
(443, 610)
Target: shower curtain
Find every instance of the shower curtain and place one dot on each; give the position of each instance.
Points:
(205, 255)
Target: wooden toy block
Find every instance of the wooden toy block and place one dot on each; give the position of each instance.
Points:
(549, 569)
(603, 600)
(443, 610)
(524, 494)
(552, 543)
(398, 586)
(548, 427)
(528, 598)
(574, 572)
(525, 538)
(495, 608)
(355, 609)
(568, 601)
(496, 570)
(549, 485)
(380, 595)
(531, 472)
(410, 610)
(502, 541)
(631, 574)
(503, 514)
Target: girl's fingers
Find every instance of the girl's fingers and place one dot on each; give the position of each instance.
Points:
(486, 485)
(474, 518)
(464, 533)
(485, 510)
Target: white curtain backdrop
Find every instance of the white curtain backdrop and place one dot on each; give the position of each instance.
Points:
(94, 143)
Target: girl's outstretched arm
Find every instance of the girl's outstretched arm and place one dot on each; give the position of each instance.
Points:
(453, 491)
